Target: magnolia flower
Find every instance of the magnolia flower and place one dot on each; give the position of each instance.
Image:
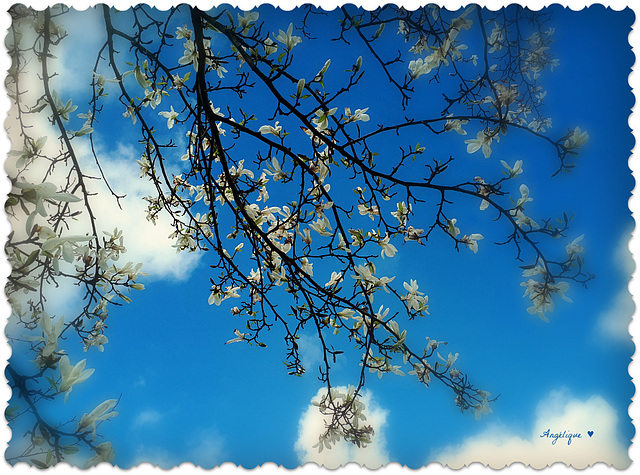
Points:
(450, 359)
(336, 278)
(481, 409)
(268, 129)
(456, 125)
(412, 287)
(306, 266)
(104, 453)
(496, 39)
(346, 313)
(371, 211)
(300, 88)
(433, 344)
(30, 150)
(239, 337)
(191, 55)
(183, 32)
(536, 270)
(522, 220)
(577, 138)
(470, 241)
(37, 194)
(145, 166)
(100, 340)
(388, 249)
(482, 141)
(418, 67)
(319, 77)
(306, 236)
(270, 47)
(451, 227)
(359, 114)
(574, 248)
(364, 274)
(524, 191)
(247, 20)
(171, 117)
(131, 112)
(322, 226)
(86, 129)
(401, 213)
(506, 95)
(140, 76)
(287, 38)
(400, 336)
(414, 298)
(421, 372)
(322, 119)
(152, 98)
(50, 334)
(218, 68)
(275, 170)
(64, 246)
(72, 375)
(484, 191)
(540, 295)
(540, 125)
(402, 29)
(420, 45)
(63, 109)
(101, 80)
(515, 171)
(413, 234)
(100, 413)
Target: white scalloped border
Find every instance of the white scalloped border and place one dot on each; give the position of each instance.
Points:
(313, 469)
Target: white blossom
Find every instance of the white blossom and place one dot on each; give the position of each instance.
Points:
(287, 38)
(336, 278)
(171, 117)
(471, 241)
(273, 130)
(102, 412)
(72, 375)
(512, 172)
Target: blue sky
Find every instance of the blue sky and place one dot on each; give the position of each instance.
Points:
(185, 396)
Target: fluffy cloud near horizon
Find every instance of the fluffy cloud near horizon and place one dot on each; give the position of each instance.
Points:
(498, 446)
(206, 450)
(312, 424)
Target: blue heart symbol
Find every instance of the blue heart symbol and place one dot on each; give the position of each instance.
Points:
(590, 433)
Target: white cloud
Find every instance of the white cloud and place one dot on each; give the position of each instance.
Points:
(498, 446)
(156, 456)
(74, 64)
(145, 242)
(613, 323)
(206, 450)
(312, 424)
(147, 417)
(622, 255)
(310, 351)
